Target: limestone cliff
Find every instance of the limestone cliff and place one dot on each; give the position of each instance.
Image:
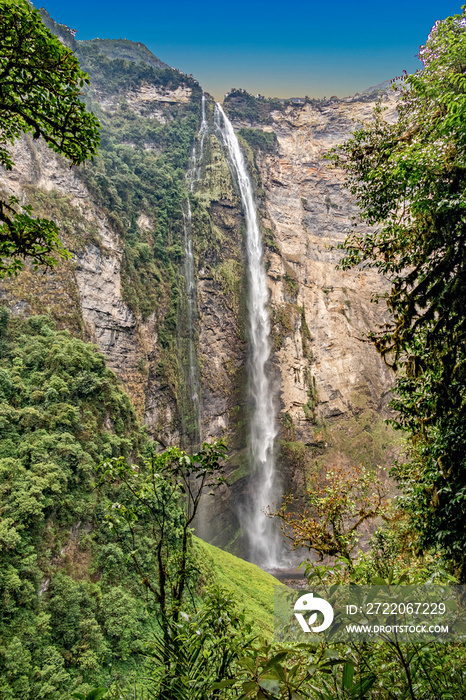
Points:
(333, 386)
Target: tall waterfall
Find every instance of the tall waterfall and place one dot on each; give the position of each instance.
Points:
(193, 383)
(264, 539)
(192, 430)
(194, 172)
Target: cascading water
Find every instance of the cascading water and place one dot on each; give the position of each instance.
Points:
(264, 539)
(197, 160)
(192, 378)
(192, 374)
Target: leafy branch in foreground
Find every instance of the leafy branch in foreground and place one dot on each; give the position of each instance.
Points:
(162, 496)
(40, 92)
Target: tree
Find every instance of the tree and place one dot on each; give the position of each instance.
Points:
(164, 495)
(40, 92)
(157, 504)
(330, 521)
(409, 179)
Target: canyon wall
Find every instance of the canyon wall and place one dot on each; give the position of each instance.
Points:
(123, 289)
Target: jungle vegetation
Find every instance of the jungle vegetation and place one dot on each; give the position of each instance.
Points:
(103, 591)
(409, 181)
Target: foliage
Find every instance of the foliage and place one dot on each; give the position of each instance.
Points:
(200, 652)
(137, 181)
(212, 656)
(239, 104)
(409, 181)
(251, 588)
(107, 63)
(229, 275)
(285, 318)
(122, 49)
(61, 411)
(41, 84)
(204, 652)
(74, 609)
(140, 172)
(398, 667)
(161, 494)
(95, 694)
(265, 141)
(138, 178)
(269, 671)
(334, 512)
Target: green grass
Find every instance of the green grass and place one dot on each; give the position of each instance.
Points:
(252, 587)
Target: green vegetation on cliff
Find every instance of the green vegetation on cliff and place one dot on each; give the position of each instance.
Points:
(117, 66)
(61, 412)
(138, 177)
(239, 104)
(251, 587)
(409, 181)
(265, 141)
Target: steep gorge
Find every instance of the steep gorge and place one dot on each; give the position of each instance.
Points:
(125, 289)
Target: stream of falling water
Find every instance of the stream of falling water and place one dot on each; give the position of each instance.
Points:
(192, 177)
(264, 539)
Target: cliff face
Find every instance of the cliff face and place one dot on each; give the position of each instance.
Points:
(85, 293)
(332, 389)
(329, 371)
(123, 218)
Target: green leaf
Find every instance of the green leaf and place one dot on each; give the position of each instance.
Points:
(278, 658)
(361, 687)
(271, 686)
(223, 684)
(348, 673)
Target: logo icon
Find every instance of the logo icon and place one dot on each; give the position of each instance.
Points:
(307, 603)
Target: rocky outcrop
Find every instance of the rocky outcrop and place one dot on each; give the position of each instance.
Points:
(88, 298)
(87, 293)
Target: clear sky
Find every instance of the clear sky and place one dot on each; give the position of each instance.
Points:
(281, 49)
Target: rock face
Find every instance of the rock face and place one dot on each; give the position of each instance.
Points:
(92, 279)
(331, 387)
(309, 211)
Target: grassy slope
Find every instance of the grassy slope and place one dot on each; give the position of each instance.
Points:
(252, 587)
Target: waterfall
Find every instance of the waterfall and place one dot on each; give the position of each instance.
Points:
(194, 171)
(200, 137)
(192, 374)
(264, 539)
(193, 382)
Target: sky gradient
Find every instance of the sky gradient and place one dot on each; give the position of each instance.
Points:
(277, 49)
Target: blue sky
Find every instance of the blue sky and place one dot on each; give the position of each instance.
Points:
(280, 49)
